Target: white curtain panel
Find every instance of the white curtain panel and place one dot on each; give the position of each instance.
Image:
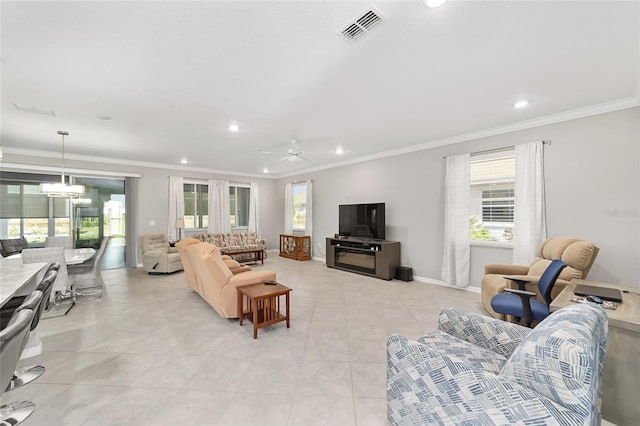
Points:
(456, 254)
(308, 225)
(176, 205)
(530, 225)
(254, 209)
(288, 208)
(219, 216)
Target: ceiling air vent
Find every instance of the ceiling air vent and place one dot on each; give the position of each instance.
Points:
(361, 25)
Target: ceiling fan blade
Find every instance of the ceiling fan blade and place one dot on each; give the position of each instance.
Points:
(262, 150)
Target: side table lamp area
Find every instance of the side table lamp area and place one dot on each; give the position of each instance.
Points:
(620, 384)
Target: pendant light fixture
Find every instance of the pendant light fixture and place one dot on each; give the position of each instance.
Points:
(62, 189)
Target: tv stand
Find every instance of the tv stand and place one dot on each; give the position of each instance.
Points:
(367, 256)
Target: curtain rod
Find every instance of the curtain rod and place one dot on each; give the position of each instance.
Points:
(299, 181)
(488, 151)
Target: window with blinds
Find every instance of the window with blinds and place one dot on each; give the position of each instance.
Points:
(492, 179)
(24, 211)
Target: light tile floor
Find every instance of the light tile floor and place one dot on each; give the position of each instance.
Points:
(152, 352)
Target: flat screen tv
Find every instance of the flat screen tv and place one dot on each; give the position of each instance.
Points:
(362, 220)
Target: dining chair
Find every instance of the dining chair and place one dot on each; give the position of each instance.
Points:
(87, 277)
(63, 241)
(13, 339)
(61, 294)
(33, 302)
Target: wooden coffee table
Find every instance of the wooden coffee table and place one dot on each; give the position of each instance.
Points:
(263, 305)
(257, 255)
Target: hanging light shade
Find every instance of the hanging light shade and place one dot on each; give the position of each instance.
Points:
(62, 189)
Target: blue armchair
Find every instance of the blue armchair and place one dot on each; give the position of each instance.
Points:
(480, 370)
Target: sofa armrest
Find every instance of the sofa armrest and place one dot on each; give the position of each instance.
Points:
(425, 386)
(173, 250)
(494, 268)
(490, 333)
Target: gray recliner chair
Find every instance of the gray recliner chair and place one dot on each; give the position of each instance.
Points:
(157, 256)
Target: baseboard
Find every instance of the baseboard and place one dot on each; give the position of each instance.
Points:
(434, 281)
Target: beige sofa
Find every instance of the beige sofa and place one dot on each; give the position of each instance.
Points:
(210, 276)
(157, 256)
(579, 256)
(234, 241)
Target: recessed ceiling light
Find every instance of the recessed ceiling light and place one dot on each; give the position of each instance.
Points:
(265, 170)
(104, 117)
(521, 104)
(435, 3)
(233, 127)
(184, 161)
(339, 150)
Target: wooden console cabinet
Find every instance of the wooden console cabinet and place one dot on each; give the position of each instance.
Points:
(296, 247)
(376, 258)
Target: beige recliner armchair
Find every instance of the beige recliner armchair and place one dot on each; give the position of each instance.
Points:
(157, 256)
(190, 272)
(579, 256)
(214, 280)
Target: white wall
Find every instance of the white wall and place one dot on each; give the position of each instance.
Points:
(592, 182)
(154, 192)
(592, 185)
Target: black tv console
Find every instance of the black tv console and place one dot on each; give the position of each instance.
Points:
(376, 258)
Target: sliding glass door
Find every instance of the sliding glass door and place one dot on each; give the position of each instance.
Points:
(101, 212)
(25, 212)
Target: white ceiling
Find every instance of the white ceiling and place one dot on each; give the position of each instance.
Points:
(173, 75)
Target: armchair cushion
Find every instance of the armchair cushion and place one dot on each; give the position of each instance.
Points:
(550, 375)
(565, 363)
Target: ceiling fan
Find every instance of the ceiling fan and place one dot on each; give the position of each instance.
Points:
(293, 154)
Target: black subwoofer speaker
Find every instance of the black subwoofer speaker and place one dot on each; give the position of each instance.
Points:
(404, 273)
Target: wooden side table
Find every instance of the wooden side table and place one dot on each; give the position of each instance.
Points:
(620, 385)
(263, 305)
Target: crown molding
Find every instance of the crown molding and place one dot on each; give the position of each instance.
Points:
(520, 125)
(122, 162)
(57, 170)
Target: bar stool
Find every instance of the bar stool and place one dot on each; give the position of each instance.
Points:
(25, 375)
(36, 302)
(13, 339)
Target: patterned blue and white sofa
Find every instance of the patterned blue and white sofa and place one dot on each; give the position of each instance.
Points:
(477, 370)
